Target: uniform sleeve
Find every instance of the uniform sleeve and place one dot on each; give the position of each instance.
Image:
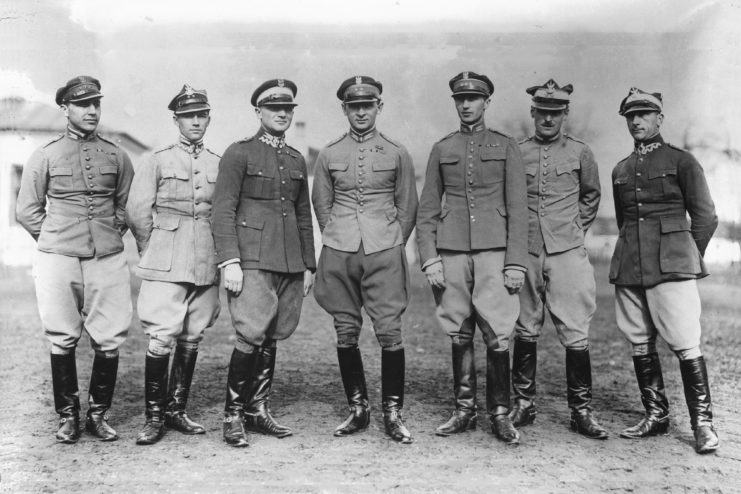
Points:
(30, 210)
(430, 203)
(226, 202)
(142, 198)
(616, 200)
(697, 201)
(322, 193)
(589, 188)
(405, 195)
(516, 201)
(123, 185)
(305, 226)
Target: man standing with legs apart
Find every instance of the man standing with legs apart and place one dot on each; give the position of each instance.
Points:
(264, 242)
(72, 201)
(472, 237)
(168, 212)
(657, 260)
(365, 199)
(563, 195)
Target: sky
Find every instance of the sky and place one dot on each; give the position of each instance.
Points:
(143, 52)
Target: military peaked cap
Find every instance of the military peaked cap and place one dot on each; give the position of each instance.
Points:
(360, 89)
(638, 100)
(80, 88)
(550, 96)
(189, 100)
(471, 83)
(275, 92)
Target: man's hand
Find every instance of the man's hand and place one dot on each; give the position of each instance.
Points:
(233, 277)
(435, 276)
(308, 281)
(513, 280)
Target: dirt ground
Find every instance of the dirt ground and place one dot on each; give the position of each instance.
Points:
(308, 396)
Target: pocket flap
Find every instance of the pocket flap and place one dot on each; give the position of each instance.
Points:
(498, 154)
(260, 170)
(620, 181)
(502, 210)
(448, 160)
(108, 170)
(674, 224)
(531, 169)
(167, 222)
(247, 222)
(173, 173)
(296, 174)
(382, 166)
(653, 173)
(60, 170)
(340, 167)
(567, 167)
(211, 176)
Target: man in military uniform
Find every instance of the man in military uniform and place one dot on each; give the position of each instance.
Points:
(72, 202)
(563, 195)
(472, 237)
(263, 233)
(365, 200)
(168, 212)
(657, 260)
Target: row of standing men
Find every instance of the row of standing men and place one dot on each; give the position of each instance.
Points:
(500, 232)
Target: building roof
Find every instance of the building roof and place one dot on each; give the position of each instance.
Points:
(20, 115)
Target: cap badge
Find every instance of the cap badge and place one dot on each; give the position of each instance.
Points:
(358, 79)
(634, 90)
(550, 87)
(465, 75)
(188, 90)
(281, 83)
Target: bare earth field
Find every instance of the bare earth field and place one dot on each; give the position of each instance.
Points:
(308, 396)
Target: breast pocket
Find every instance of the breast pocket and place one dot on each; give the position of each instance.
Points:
(624, 188)
(297, 181)
(60, 179)
(451, 173)
(175, 183)
(384, 173)
(567, 176)
(664, 182)
(259, 181)
(249, 235)
(339, 175)
(492, 166)
(107, 177)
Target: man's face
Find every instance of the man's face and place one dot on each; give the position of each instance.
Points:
(275, 118)
(193, 125)
(548, 123)
(362, 116)
(471, 107)
(83, 115)
(644, 124)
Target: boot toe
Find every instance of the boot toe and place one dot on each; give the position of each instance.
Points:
(523, 415)
(706, 439)
(504, 430)
(648, 426)
(98, 427)
(459, 421)
(583, 423)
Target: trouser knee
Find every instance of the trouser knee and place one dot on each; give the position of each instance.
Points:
(160, 347)
(689, 354)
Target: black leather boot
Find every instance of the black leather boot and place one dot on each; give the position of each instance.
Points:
(353, 379)
(66, 396)
(579, 391)
(651, 384)
(697, 393)
(241, 369)
(524, 363)
(463, 417)
(257, 416)
(155, 397)
(392, 390)
(102, 384)
(181, 375)
(497, 396)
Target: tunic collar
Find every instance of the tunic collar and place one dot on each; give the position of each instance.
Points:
(189, 146)
(277, 142)
(365, 136)
(645, 147)
(552, 140)
(472, 129)
(76, 135)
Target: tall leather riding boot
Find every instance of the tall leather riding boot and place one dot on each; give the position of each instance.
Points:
(463, 417)
(257, 414)
(241, 370)
(497, 396)
(353, 379)
(181, 375)
(392, 394)
(524, 364)
(651, 384)
(102, 385)
(697, 393)
(66, 396)
(579, 392)
(155, 398)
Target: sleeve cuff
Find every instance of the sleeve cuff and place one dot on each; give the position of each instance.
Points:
(229, 261)
(516, 267)
(430, 262)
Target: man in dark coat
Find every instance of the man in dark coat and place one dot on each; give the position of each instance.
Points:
(657, 260)
(262, 228)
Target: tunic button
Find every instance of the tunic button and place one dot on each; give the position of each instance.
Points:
(361, 203)
(472, 217)
(361, 149)
(90, 217)
(640, 219)
(360, 210)
(545, 172)
(85, 149)
(199, 171)
(90, 207)
(470, 182)
(543, 180)
(282, 198)
(470, 172)
(638, 189)
(285, 214)
(198, 187)
(90, 176)
(542, 214)
(361, 157)
(545, 156)
(361, 190)
(90, 193)
(542, 206)
(638, 174)
(87, 158)
(279, 151)
(198, 202)
(360, 165)
(545, 164)
(281, 167)
(640, 160)
(470, 165)
(259, 173)
(470, 156)
(640, 204)
(472, 206)
(87, 167)
(283, 181)
(195, 217)
(360, 180)
(244, 223)
(92, 184)
(89, 199)
(472, 142)
(195, 156)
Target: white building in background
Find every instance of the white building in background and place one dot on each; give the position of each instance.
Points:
(24, 126)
